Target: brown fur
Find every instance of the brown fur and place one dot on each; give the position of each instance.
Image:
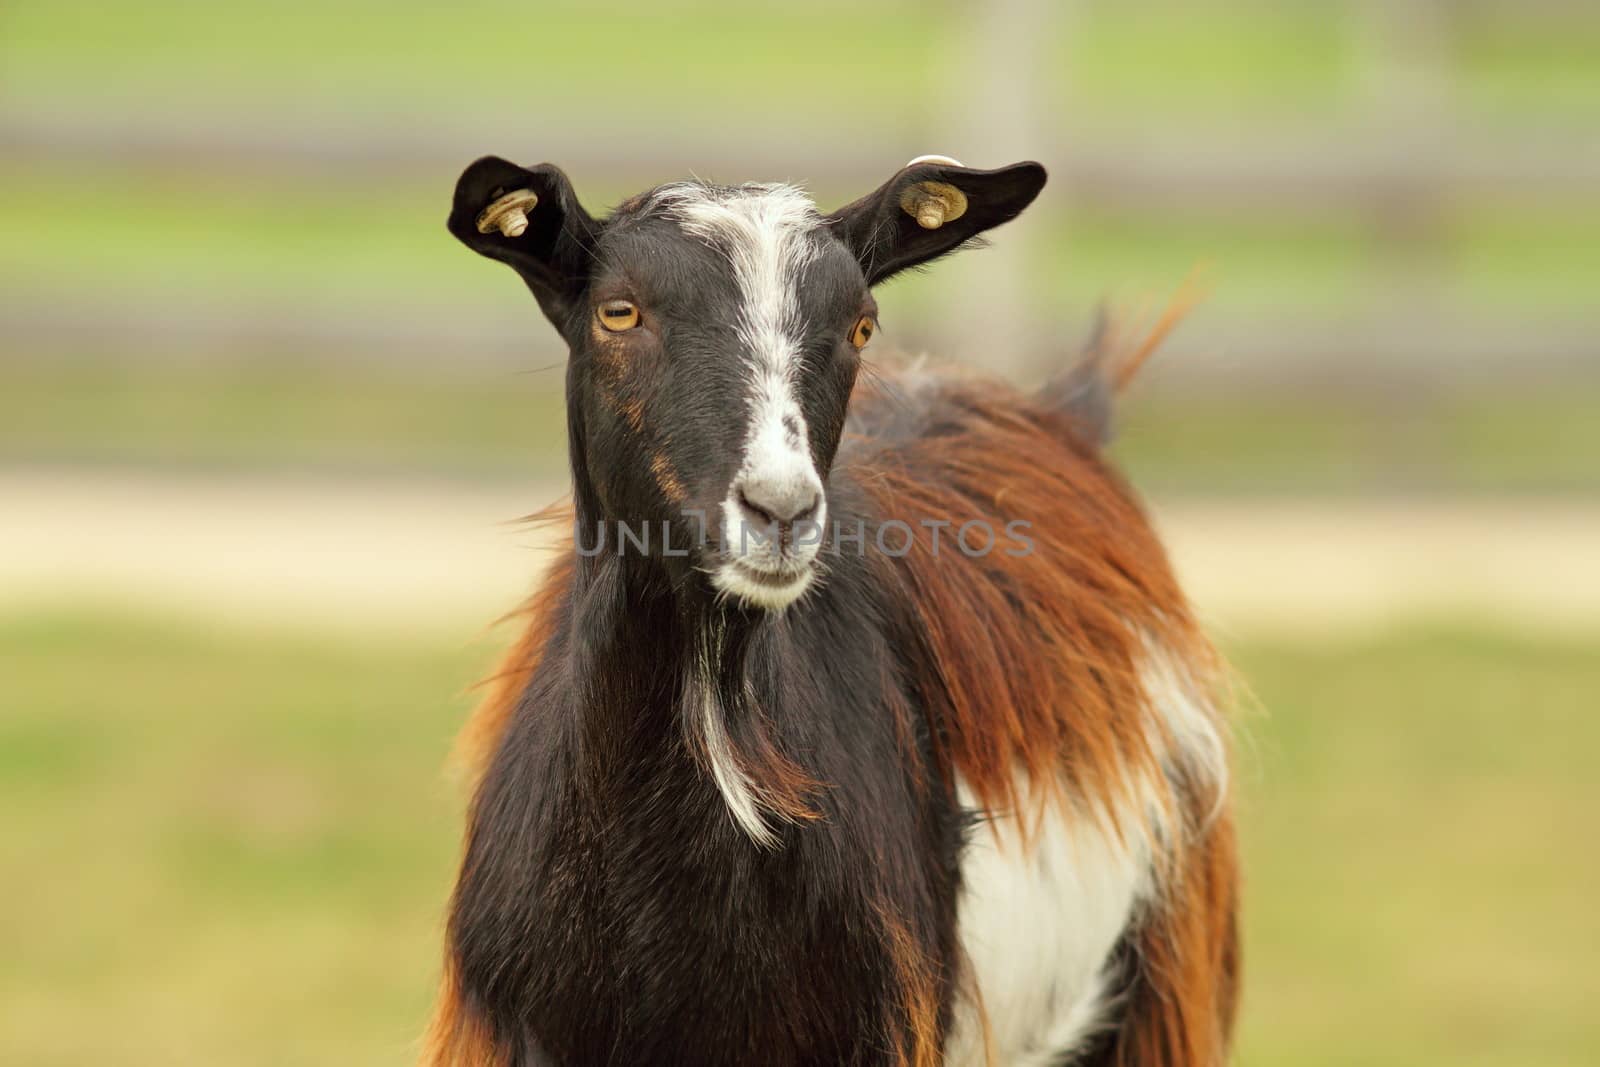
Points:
(919, 1026)
(1035, 658)
(1033, 663)
(1036, 665)
(1184, 997)
(667, 479)
(503, 687)
(457, 1036)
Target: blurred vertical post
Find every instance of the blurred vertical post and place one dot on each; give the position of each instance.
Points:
(1404, 53)
(1405, 67)
(994, 93)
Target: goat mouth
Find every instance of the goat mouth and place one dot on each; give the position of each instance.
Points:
(770, 588)
(776, 579)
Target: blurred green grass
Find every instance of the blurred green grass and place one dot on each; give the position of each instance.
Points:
(235, 846)
(231, 849)
(1246, 60)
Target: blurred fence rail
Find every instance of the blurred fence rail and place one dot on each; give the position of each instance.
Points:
(1415, 346)
(1345, 164)
(1392, 159)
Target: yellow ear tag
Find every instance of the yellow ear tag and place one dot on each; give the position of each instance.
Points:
(509, 214)
(933, 204)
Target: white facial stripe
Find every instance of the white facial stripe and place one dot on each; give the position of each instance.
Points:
(765, 232)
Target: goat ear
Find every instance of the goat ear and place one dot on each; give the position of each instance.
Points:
(529, 219)
(933, 206)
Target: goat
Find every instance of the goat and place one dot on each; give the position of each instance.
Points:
(862, 799)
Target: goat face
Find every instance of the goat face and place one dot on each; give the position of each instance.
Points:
(737, 314)
(715, 335)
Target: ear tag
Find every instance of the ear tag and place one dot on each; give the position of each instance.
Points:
(933, 204)
(509, 214)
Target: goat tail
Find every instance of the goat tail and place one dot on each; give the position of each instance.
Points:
(1119, 346)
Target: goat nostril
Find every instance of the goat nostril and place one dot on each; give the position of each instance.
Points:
(809, 511)
(761, 514)
(783, 509)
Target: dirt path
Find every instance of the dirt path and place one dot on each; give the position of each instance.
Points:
(446, 559)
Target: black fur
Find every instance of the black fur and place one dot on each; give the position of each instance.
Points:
(609, 909)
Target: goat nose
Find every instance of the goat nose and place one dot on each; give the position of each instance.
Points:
(782, 502)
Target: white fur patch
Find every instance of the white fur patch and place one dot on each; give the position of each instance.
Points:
(1191, 742)
(732, 782)
(738, 793)
(1038, 925)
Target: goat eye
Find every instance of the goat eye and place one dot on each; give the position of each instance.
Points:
(618, 315)
(863, 331)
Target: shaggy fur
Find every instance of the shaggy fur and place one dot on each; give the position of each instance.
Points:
(611, 909)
